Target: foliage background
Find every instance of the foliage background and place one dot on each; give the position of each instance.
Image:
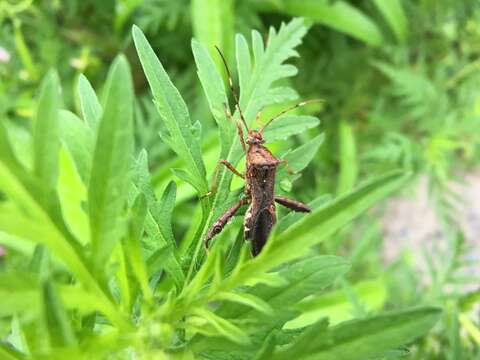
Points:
(400, 82)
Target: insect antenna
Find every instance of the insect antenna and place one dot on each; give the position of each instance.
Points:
(232, 89)
(303, 103)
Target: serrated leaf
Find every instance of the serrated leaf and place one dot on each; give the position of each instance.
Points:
(173, 111)
(289, 125)
(111, 163)
(91, 108)
(269, 64)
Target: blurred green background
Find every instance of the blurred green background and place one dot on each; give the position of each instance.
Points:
(401, 84)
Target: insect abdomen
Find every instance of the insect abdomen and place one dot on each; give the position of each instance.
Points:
(260, 216)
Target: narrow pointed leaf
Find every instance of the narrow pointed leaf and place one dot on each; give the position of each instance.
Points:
(46, 134)
(111, 163)
(91, 108)
(173, 111)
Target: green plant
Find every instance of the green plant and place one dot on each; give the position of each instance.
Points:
(104, 275)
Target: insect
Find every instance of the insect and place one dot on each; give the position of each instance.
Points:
(261, 168)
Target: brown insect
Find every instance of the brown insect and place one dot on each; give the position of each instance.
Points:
(259, 179)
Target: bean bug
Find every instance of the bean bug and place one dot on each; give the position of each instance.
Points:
(261, 167)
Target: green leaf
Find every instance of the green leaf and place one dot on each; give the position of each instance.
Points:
(303, 278)
(173, 112)
(293, 216)
(214, 90)
(269, 65)
(298, 159)
(7, 353)
(325, 221)
(165, 210)
(133, 246)
(16, 244)
(7, 154)
(39, 229)
(111, 163)
(244, 61)
(338, 15)
(73, 195)
(348, 158)
(60, 330)
(224, 327)
(247, 299)
(79, 140)
(303, 342)
(393, 12)
(213, 24)
(336, 306)
(159, 214)
(19, 295)
(289, 125)
(40, 262)
(46, 137)
(122, 278)
(91, 108)
(300, 280)
(161, 243)
(366, 338)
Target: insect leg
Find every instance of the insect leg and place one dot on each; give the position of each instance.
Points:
(215, 176)
(218, 225)
(292, 204)
(231, 168)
